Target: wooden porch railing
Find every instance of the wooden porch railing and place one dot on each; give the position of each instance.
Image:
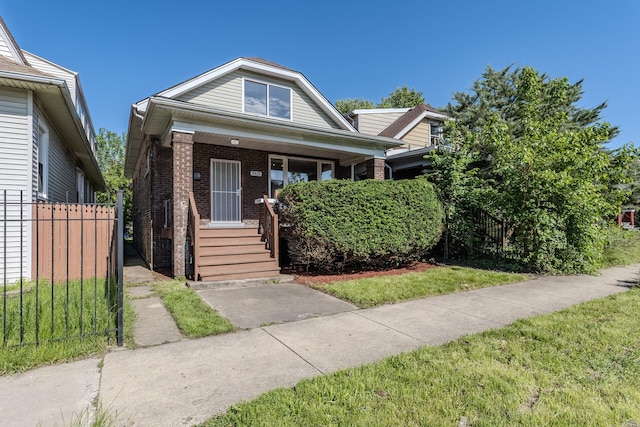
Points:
(269, 224)
(193, 228)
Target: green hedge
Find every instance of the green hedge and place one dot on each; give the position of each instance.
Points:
(339, 224)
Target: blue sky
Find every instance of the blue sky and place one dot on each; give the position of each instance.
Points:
(128, 50)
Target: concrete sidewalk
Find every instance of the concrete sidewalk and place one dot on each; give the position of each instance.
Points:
(185, 382)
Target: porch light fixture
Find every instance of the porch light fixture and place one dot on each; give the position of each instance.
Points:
(235, 141)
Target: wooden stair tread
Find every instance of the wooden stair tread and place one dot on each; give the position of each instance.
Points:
(229, 232)
(236, 259)
(213, 270)
(255, 248)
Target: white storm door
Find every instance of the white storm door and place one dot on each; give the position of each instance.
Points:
(226, 191)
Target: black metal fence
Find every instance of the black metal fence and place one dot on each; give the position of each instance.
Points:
(491, 233)
(62, 270)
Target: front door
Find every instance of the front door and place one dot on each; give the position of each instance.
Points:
(226, 192)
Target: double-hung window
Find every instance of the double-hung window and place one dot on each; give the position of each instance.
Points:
(43, 162)
(267, 100)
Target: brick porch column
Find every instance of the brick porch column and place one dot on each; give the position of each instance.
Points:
(375, 169)
(182, 145)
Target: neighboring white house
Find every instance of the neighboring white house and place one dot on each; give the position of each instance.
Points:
(47, 147)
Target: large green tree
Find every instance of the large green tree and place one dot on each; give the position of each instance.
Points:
(110, 149)
(402, 97)
(349, 104)
(522, 150)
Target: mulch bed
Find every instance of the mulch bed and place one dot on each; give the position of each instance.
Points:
(315, 278)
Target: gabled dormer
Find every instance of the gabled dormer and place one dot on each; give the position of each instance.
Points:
(258, 88)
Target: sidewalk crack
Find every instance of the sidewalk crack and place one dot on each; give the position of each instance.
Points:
(294, 352)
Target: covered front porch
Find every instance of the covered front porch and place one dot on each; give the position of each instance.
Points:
(222, 165)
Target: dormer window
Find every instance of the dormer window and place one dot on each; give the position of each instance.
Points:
(267, 100)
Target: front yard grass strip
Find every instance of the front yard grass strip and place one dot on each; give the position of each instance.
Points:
(53, 346)
(622, 248)
(580, 366)
(380, 290)
(192, 315)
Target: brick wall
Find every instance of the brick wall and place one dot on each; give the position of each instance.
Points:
(253, 187)
(375, 169)
(142, 206)
(161, 176)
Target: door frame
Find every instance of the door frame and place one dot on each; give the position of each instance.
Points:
(234, 222)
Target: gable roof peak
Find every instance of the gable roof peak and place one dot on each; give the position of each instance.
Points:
(12, 44)
(266, 62)
(406, 122)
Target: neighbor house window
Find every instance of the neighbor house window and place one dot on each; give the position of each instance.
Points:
(267, 100)
(43, 162)
(288, 170)
(436, 133)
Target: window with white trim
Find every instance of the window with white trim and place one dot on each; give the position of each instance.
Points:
(435, 131)
(43, 161)
(80, 186)
(285, 170)
(267, 100)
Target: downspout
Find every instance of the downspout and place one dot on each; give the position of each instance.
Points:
(135, 113)
(353, 172)
(390, 170)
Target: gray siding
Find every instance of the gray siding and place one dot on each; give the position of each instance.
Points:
(15, 156)
(374, 123)
(225, 93)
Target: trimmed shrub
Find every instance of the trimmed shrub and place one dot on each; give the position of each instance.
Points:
(339, 224)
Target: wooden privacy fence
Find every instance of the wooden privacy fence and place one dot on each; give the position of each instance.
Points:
(71, 241)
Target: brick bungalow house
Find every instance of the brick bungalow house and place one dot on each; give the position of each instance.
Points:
(208, 149)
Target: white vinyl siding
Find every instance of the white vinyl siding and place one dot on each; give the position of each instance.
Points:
(374, 123)
(419, 136)
(55, 70)
(15, 156)
(225, 93)
(14, 146)
(62, 168)
(4, 49)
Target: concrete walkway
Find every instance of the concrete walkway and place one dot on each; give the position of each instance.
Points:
(185, 382)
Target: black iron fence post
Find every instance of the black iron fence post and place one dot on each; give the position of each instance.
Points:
(120, 266)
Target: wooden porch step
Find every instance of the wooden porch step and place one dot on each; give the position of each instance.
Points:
(242, 249)
(230, 241)
(238, 276)
(265, 267)
(231, 232)
(234, 260)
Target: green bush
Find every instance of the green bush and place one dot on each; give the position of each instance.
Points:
(334, 225)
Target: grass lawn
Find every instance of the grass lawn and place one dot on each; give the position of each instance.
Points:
(623, 248)
(379, 290)
(192, 315)
(580, 366)
(59, 340)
